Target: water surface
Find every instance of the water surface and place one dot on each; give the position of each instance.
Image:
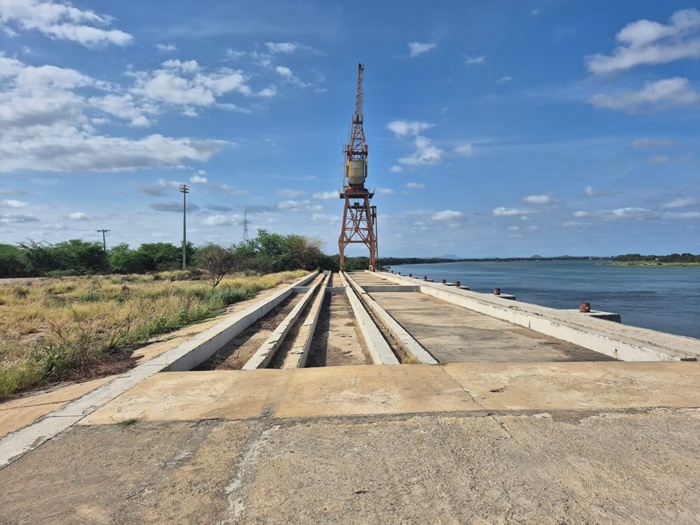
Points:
(661, 298)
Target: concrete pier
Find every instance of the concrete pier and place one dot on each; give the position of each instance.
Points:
(518, 421)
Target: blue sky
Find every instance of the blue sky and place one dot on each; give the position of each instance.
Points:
(495, 128)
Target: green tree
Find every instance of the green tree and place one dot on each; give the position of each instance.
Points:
(11, 264)
(216, 261)
(123, 260)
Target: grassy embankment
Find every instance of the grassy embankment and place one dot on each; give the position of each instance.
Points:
(74, 328)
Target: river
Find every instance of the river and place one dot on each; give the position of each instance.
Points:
(661, 298)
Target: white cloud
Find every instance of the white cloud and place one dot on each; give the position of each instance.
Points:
(402, 128)
(290, 194)
(647, 143)
(50, 123)
(510, 212)
(298, 206)
(199, 178)
(681, 202)
(415, 186)
(417, 48)
(78, 216)
(184, 83)
(225, 188)
(629, 213)
(166, 47)
(575, 225)
(539, 199)
(325, 218)
(326, 195)
(284, 71)
(466, 150)
(396, 169)
(13, 203)
(232, 54)
(474, 60)
(19, 218)
(60, 20)
(425, 153)
(448, 216)
(77, 151)
(161, 188)
(385, 191)
(223, 220)
(284, 47)
(649, 42)
(504, 80)
(662, 94)
(688, 215)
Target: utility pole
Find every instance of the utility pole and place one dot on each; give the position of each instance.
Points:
(104, 247)
(185, 189)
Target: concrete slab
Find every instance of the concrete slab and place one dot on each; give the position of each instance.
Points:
(544, 443)
(611, 385)
(372, 390)
(188, 396)
(19, 413)
(455, 334)
(406, 389)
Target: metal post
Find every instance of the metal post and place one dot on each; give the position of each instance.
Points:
(185, 189)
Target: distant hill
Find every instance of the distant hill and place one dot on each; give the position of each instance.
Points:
(449, 256)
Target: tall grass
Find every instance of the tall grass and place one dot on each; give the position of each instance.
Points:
(57, 329)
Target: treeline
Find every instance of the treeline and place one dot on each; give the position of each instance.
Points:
(266, 253)
(673, 258)
(388, 261)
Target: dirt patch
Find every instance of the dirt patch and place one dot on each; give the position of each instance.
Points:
(337, 341)
(237, 352)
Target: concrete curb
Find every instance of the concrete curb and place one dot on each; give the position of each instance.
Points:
(299, 353)
(262, 357)
(378, 348)
(406, 339)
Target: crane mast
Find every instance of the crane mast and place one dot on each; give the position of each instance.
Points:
(359, 216)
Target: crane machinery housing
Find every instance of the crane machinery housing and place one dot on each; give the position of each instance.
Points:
(359, 216)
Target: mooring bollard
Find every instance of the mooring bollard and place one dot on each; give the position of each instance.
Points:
(496, 291)
(425, 277)
(584, 307)
(444, 281)
(457, 284)
(410, 275)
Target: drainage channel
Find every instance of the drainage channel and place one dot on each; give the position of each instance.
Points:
(321, 324)
(337, 340)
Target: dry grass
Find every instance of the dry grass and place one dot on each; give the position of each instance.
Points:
(70, 328)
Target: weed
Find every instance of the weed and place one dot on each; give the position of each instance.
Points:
(129, 422)
(410, 360)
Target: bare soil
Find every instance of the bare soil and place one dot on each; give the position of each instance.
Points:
(337, 340)
(237, 352)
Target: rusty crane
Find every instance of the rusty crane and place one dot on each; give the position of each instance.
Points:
(359, 216)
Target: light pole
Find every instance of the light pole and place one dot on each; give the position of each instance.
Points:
(185, 189)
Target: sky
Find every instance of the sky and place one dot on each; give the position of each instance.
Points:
(499, 128)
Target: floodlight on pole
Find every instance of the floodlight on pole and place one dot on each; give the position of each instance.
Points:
(185, 189)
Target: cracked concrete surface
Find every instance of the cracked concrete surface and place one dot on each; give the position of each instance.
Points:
(489, 443)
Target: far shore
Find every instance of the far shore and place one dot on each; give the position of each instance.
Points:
(649, 263)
